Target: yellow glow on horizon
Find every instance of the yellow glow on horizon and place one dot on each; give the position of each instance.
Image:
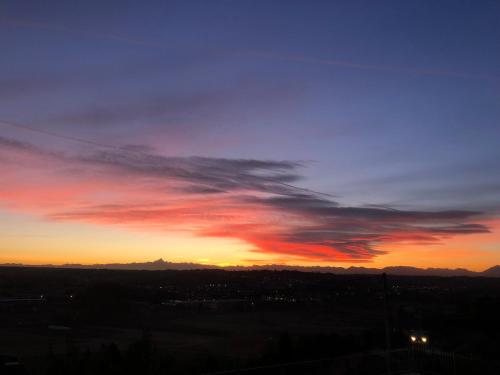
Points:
(27, 239)
(31, 240)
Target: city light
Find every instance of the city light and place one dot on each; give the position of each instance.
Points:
(418, 338)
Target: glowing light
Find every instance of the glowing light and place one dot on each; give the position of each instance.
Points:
(423, 339)
(413, 338)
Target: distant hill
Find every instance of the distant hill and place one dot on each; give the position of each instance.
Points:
(160, 265)
(492, 272)
(156, 265)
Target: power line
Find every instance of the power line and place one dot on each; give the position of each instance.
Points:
(54, 134)
(87, 142)
(303, 362)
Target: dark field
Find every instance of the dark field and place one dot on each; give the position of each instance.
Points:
(75, 321)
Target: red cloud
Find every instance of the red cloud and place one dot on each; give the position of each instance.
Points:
(251, 200)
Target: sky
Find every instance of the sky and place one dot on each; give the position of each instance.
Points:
(250, 132)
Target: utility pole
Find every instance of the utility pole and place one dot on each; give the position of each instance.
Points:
(387, 325)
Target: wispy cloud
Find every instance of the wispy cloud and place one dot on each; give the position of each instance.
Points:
(253, 200)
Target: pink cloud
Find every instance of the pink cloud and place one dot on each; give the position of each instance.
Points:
(252, 200)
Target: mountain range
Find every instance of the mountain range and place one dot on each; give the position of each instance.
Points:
(160, 264)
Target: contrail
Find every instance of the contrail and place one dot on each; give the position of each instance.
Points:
(61, 28)
(348, 64)
(262, 54)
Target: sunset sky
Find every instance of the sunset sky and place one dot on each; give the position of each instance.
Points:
(250, 132)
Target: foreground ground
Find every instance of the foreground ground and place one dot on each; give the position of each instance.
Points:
(98, 321)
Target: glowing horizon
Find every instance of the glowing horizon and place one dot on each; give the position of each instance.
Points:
(220, 211)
